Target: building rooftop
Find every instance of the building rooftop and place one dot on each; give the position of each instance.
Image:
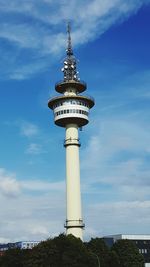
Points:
(130, 236)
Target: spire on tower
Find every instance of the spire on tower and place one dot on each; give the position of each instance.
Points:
(69, 69)
(69, 48)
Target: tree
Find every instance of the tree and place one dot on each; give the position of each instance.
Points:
(113, 259)
(69, 251)
(64, 251)
(128, 254)
(14, 258)
(98, 247)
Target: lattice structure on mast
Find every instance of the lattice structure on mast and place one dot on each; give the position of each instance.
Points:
(70, 63)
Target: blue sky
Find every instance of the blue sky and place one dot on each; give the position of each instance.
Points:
(111, 39)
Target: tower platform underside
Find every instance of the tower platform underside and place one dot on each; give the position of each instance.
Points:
(62, 122)
(61, 86)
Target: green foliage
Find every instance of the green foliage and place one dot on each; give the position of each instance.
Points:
(113, 259)
(106, 258)
(64, 251)
(128, 254)
(98, 247)
(14, 258)
(68, 251)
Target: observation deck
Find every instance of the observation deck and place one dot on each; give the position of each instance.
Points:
(71, 109)
(73, 99)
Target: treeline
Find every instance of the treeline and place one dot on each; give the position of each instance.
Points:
(68, 251)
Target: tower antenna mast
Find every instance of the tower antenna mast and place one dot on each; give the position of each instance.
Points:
(69, 48)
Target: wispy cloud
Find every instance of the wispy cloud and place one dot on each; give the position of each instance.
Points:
(37, 185)
(33, 208)
(4, 240)
(121, 214)
(9, 186)
(119, 144)
(36, 27)
(34, 149)
(120, 155)
(28, 129)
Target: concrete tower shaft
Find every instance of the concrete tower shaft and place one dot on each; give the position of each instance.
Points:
(74, 222)
(71, 111)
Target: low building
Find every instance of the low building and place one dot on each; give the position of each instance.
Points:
(141, 241)
(20, 244)
(26, 244)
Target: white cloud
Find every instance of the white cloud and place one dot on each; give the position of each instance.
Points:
(34, 149)
(9, 186)
(28, 129)
(37, 185)
(38, 230)
(31, 217)
(112, 136)
(4, 240)
(114, 164)
(34, 211)
(24, 71)
(39, 209)
(125, 217)
(35, 26)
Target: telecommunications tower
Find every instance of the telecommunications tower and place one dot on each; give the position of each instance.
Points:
(71, 111)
